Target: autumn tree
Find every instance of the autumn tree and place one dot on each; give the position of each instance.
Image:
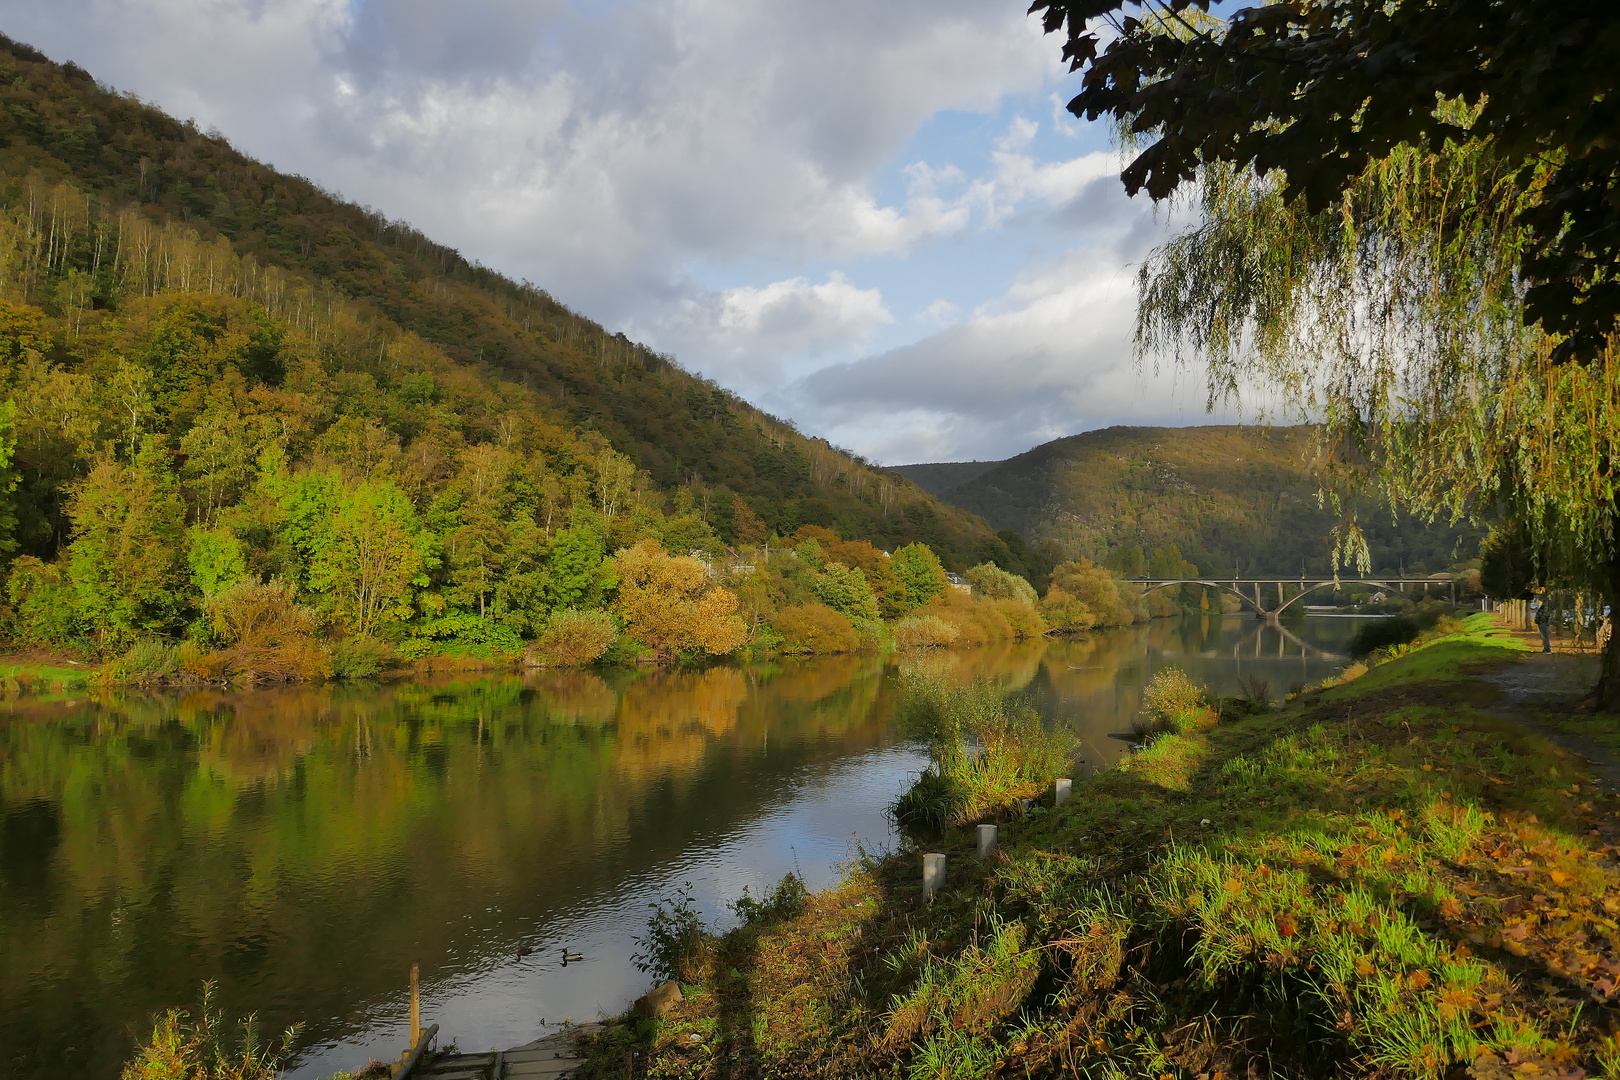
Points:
(750, 530)
(669, 605)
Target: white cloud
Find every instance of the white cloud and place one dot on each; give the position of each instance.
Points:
(747, 331)
(939, 313)
(1049, 358)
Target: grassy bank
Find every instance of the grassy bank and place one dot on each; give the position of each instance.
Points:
(1377, 878)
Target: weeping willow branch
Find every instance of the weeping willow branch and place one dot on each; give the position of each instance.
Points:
(1393, 322)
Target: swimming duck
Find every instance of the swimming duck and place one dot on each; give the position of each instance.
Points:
(571, 957)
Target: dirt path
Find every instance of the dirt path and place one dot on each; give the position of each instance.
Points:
(1541, 681)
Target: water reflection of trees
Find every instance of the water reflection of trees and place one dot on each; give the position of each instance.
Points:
(289, 840)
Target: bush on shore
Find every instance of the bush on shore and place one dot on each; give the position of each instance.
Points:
(574, 638)
(986, 748)
(814, 629)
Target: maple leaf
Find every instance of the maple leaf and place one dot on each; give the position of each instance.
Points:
(1450, 908)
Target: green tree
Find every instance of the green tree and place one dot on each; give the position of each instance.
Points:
(991, 581)
(919, 572)
(475, 547)
(370, 556)
(844, 589)
(575, 573)
(216, 558)
(1304, 90)
(126, 559)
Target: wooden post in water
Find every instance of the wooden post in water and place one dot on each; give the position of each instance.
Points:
(416, 1008)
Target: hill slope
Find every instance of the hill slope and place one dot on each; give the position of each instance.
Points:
(937, 476)
(83, 171)
(1226, 496)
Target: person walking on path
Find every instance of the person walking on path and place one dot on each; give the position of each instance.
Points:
(1544, 623)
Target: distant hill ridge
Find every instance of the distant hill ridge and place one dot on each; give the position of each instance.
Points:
(1229, 497)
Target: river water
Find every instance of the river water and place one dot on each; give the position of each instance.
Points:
(304, 847)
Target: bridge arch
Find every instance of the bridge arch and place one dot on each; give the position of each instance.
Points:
(1220, 585)
(1333, 585)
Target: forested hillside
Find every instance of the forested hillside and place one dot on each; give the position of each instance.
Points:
(125, 201)
(248, 429)
(1227, 497)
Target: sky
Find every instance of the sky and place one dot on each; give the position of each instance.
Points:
(874, 219)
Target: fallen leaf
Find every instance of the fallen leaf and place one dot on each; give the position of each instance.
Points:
(1559, 877)
(1450, 908)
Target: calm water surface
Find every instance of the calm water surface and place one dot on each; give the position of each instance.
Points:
(304, 847)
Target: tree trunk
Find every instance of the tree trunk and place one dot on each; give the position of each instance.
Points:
(1608, 688)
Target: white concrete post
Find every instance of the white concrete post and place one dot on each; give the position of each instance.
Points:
(987, 841)
(933, 874)
(1061, 790)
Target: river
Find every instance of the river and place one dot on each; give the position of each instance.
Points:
(305, 846)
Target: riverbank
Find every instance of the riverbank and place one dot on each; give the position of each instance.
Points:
(1379, 877)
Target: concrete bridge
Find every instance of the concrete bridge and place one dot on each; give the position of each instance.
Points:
(1249, 590)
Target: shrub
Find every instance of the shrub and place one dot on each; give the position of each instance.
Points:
(41, 603)
(1066, 613)
(1024, 619)
(669, 605)
(1171, 701)
(150, 660)
(1110, 601)
(814, 629)
(924, 632)
(574, 638)
(987, 749)
(786, 900)
(993, 583)
(932, 803)
(268, 634)
(199, 662)
(182, 1048)
(360, 658)
(1383, 634)
(1256, 694)
(673, 942)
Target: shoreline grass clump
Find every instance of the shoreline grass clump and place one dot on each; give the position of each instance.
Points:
(1378, 878)
(187, 1047)
(1172, 703)
(987, 748)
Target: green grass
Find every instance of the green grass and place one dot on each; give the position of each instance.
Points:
(42, 679)
(1378, 879)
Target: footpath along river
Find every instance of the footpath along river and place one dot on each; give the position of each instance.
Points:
(305, 846)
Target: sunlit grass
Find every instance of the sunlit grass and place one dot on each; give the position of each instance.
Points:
(1380, 878)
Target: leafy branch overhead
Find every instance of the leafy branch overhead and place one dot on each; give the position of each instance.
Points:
(1320, 89)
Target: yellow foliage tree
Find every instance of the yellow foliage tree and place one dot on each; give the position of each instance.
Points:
(669, 605)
